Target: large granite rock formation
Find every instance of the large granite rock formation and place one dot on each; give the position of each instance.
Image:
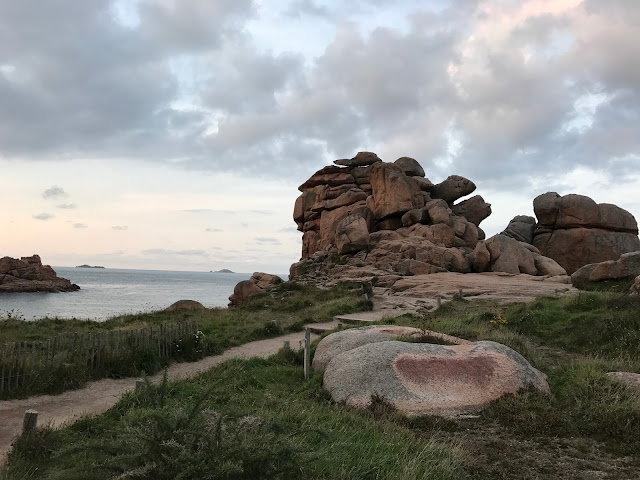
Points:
(28, 274)
(575, 231)
(386, 220)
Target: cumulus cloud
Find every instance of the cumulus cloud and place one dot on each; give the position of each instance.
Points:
(492, 89)
(54, 192)
(43, 216)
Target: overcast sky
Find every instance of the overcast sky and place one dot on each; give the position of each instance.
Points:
(172, 134)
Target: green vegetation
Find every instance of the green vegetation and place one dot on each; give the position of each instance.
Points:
(259, 419)
(253, 419)
(284, 309)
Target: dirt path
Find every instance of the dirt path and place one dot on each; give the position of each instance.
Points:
(97, 397)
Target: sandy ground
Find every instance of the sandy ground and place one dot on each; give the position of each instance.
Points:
(97, 397)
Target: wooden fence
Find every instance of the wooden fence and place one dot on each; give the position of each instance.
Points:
(22, 362)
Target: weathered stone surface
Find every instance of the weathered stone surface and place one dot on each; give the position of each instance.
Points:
(417, 215)
(310, 243)
(428, 379)
(393, 193)
(521, 228)
(185, 305)
(361, 159)
(634, 291)
(547, 266)
(389, 223)
(349, 197)
(340, 342)
(453, 188)
(481, 258)
(352, 234)
(574, 211)
(627, 266)
(329, 175)
(28, 274)
(424, 184)
(258, 283)
(474, 209)
(576, 231)
(439, 211)
(510, 256)
(410, 166)
(575, 247)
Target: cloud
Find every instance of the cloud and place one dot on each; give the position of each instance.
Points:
(267, 240)
(66, 206)
(54, 192)
(213, 230)
(43, 216)
(498, 91)
(164, 252)
(80, 225)
(119, 227)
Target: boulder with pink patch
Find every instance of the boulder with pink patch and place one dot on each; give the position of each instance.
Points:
(429, 379)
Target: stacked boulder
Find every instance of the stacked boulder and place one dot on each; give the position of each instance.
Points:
(388, 220)
(28, 274)
(575, 231)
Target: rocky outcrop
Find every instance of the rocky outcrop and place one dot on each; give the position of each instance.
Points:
(258, 283)
(626, 267)
(429, 379)
(185, 305)
(28, 274)
(576, 231)
(634, 291)
(630, 379)
(521, 228)
(389, 220)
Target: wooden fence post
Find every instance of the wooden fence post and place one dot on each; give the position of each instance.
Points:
(307, 352)
(438, 301)
(30, 421)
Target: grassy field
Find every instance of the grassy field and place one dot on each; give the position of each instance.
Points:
(285, 309)
(259, 419)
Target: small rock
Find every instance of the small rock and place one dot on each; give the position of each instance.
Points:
(185, 305)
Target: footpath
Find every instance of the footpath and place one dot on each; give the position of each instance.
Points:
(97, 397)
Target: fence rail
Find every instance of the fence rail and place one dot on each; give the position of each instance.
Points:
(22, 362)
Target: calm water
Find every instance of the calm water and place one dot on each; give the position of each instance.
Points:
(108, 292)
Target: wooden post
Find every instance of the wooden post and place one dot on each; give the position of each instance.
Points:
(287, 346)
(140, 384)
(438, 301)
(30, 421)
(307, 352)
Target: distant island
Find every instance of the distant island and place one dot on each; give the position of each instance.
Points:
(89, 266)
(224, 270)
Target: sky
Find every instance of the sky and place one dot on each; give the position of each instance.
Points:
(173, 134)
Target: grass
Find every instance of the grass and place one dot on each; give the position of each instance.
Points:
(265, 415)
(284, 309)
(254, 419)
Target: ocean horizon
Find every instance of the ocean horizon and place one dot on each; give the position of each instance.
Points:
(109, 292)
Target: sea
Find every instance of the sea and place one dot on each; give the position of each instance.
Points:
(108, 292)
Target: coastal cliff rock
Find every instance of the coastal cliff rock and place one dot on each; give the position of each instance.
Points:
(365, 218)
(28, 274)
(258, 283)
(575, 231)
(626, 267)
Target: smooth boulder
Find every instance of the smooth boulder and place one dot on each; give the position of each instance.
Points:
(430, 379)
